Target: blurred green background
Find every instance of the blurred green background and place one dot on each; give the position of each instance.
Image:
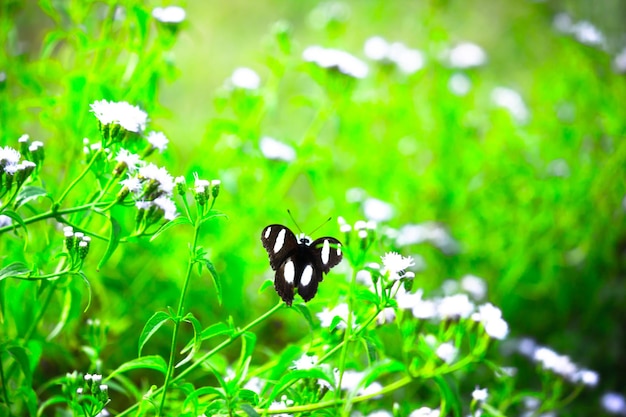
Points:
(536, 207)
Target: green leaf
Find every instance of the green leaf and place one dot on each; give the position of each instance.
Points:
(15, 217)
(29, 193)
(304, 311)
(145, 362)
(197, 341)
(57, 399)
(248, 409)
(114, 240)
(16, 269)
(69, 299)
(297, 375)
(382, 368)
(211, 215)
(216, 279)
(152, 325)
(449, 400)
(178, 220)
(266, 284)
(203, 392)
(21, 357)
(210, 332)
(88, 285)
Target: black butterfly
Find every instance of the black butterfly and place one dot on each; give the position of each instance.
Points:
(298, 262)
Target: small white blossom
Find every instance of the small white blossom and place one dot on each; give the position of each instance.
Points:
(169, 14)
(326, 316)
(396, 264)
(130, 117)
(459, 84)
(245, 78)
(5, 220)
(336, 59)
(9, 156)
(168, 206)
(104, 387)
(132, 161)
(133, 184)
(586, 377)
(254, 384)
(467, 55)
(447, 352)
(512, 101)
(614, 403)
(160, 175)
(380, 413)
(455, 306)
(200, 185)
(387, 315)
(475, 286)
(377, 210)
(480, 395)
(158, 140)
(425, 412)
(276, 150)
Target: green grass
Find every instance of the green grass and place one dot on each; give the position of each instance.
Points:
(535, 206)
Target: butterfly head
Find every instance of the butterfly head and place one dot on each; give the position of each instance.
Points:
(302, 238)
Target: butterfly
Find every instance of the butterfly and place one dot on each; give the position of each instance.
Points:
(299, 263)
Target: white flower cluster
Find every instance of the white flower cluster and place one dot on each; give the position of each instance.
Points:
(327, 316)
(245, 79)
(406, 59)
(129, 117)
(466, 55)
(276, 150)
(428, 232)
(335, 59)
(151, 187)
(169, 14)
(454, 307)
(512, 101)
(583, 31)
(10, 163)
(559, 364)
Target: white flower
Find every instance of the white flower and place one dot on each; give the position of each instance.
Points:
(406, 299)
(376, 48)
(475, 286)
(480, 394)
(336, 59)
(425, 412)
(254, 384)
(158, 140)
(619, 62)
(408, 60)
(512, 101)
(396, 264)
(104, 387)
(24, 138)
(387, 315)
(427, 232)
(305, 362)
(5, 220)
(614, 403)
(9, 156)
(586, 377)
(380, 413)
(585, 32)
(446, 352)
(160, 175)
(200, 185)
(455, 306)
(377, 210)
(131, 118)
(245, 78)
(467, 55)
(131, 160)
(559, 364)
(168, 206)
(103, 413)
(326, 316)
(497, 328)
(459, 84)
(133, 184)
(274, 149)
(169, 14)
(283, 403)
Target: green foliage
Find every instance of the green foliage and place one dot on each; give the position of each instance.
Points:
(125, 290)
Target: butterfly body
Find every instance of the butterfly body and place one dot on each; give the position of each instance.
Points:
(300, 263)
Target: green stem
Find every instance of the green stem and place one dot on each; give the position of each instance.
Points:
(212, 352)
(346, 336)
(4, 385)
(334, 403)
(79, 178)
(52, 214)
(179, 312)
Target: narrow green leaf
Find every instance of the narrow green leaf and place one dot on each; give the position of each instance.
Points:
(21, 357)
(16, 269)
(216, 279)
(29, 193)
(382, 368)
(211, 215)
(65, 314)
(210, 332)
(266, 284)
(16, 218)
(371, 349)
(145, 362)
(152, 325)
(165, 226)
(114, 240)
(57, 399)
(449, 400)
(248, 409)
(304, 311)
(197, 341)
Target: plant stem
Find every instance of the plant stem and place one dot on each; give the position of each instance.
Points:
(79, 178)
(347, 335)
(4, 385)
(212, 352)
(179, 312)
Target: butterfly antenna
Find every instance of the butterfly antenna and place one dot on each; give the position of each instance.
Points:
(294, 220)
(320, 226)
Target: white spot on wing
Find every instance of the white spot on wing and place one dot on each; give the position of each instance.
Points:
(325, 252)
(267, 232)
(307, 274)
(288, 271)
(338, 250)
(280, 240)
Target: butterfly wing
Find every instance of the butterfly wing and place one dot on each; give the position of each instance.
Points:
(327, 251)
(317, 260)
(279, 242)
(282, 247)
